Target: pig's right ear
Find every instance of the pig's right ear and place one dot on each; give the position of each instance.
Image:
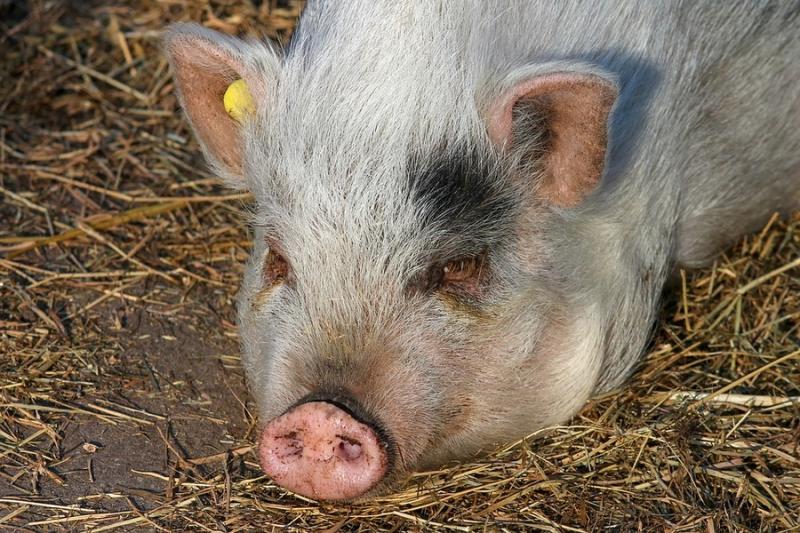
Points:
(204, 64)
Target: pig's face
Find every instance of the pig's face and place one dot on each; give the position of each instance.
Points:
(416, 308)
(405, 303)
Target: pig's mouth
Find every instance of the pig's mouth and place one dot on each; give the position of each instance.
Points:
(326, 448)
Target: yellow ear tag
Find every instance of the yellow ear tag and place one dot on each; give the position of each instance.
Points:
(237, 101)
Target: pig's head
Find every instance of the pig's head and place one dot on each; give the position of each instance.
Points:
(413, 295)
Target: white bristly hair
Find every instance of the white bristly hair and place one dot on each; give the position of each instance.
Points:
(369, 129)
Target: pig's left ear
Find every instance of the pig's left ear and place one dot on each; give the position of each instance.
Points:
(554, 119)
(204, 64)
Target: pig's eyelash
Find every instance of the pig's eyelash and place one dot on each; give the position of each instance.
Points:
(464, 275)
(467, 274)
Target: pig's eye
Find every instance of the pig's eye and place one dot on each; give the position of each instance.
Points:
(276, 269)
(464, 274)
(462, 269)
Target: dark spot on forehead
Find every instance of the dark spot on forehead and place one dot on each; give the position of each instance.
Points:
(464, 195)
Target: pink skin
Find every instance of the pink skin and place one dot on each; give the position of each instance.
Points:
(319, 451)
(578, 106)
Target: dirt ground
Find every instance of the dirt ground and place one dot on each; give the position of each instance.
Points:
(122, 401)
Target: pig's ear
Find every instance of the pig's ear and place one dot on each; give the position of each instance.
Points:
(554, 120)
(204, 64)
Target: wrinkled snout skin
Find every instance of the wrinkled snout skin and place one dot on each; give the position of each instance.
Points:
(319, 450)
(466, 212)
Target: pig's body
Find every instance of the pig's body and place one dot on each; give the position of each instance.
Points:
(380, 148)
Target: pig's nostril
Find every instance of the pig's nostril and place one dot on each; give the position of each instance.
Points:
(348, 449)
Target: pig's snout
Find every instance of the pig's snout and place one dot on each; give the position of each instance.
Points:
(321, 451)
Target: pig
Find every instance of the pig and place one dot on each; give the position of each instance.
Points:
(465, 213)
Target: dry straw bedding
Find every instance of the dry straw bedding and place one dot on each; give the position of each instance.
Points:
(122, 403)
